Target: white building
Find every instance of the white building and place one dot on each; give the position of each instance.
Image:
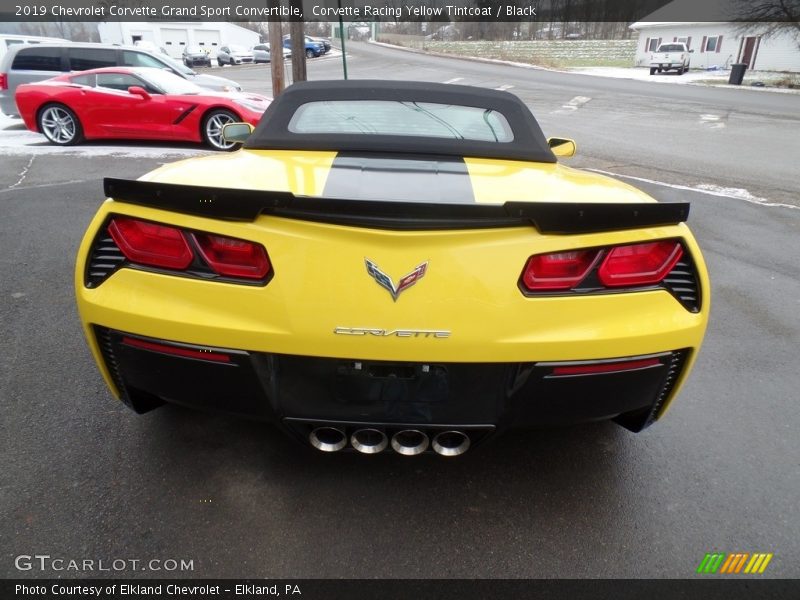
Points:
(715, 42)
(174, 36)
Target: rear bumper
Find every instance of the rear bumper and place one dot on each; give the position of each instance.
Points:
(8, 105)
(288, 390)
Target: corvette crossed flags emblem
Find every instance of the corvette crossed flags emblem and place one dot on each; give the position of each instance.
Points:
(406, 281)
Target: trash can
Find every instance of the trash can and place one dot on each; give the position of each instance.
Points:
(737, 73)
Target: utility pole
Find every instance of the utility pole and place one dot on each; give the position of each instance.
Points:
(298, 44)
(341, 37)
(276, 53)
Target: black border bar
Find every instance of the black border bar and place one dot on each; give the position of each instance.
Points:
(247, 205)
(701, 588)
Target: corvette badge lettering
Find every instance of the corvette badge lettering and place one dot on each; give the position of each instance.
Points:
(386, 282)
(426, 333)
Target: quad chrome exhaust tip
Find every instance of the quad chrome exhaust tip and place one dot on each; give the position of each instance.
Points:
(410, 442)
(450, 443)
(369, 440)
(328, 439)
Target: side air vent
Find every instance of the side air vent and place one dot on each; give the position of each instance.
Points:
(638, 420)
(682, 283)
(104, 258)
(107, 350)
(675, 367)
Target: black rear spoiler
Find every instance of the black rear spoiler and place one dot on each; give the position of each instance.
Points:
(247, 205)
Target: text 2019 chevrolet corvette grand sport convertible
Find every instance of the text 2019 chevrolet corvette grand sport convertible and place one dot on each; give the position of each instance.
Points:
(393, 266)
(133, 103)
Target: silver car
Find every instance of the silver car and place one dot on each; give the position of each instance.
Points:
(234, 55)
(261, 53)
(31, 63)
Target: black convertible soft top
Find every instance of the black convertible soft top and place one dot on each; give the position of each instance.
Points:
(273, 131)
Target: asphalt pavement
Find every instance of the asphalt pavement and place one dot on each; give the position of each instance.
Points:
(84, 478)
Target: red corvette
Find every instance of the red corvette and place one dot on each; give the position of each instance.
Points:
(133, 103)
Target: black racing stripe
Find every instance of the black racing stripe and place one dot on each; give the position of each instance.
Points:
(184, 114)
(399, 178)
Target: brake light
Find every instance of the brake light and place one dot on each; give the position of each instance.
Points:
(3, 82)
(613, 367)
(151, 244)
(176, 350)
(233, 258)
(639, 264)
(559, 270)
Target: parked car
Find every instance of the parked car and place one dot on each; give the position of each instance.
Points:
(312, 48)
(393, 265)
(195, 56)
(132, 103)
(671, 56)
(26, 64)
(12, 39)
(234, 55)
(326, 43)
(261, 53)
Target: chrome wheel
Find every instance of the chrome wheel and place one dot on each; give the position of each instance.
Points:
(212, 129)
(59, 125)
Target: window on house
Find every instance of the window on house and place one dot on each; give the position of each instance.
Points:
(711, 43)
(652, 46)
(683, 40)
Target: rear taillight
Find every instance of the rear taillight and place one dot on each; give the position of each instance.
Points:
(571, 370)
(162, 246)
(3, 82)
(614, 267)
(176, 350)
(639, 264)
(151, 244)
(233, 258)
(558, 271)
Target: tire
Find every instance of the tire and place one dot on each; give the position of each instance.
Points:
(652, 70)
(211, 129)
(309, 53)
(219, 63)
(658, 69)
(60, 125)
(681, 71)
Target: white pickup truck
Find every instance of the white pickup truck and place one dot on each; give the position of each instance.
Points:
(674, 55)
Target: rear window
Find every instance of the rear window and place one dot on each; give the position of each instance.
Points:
(671, 48)
(38, 59)
(82, 59)
(396, 118)
(88, 80)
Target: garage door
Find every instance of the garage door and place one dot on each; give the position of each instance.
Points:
(207, 39)
(174, 40)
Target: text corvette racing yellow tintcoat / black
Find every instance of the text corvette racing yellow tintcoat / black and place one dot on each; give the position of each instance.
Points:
(393, 266)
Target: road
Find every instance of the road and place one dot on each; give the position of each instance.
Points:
(82, 477)
(683, 134)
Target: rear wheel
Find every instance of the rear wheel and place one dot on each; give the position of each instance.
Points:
(219, 63)
(212, 129)
(60, 125)
(652, 70)
(309, 53)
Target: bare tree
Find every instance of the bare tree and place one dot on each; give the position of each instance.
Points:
(768, 18)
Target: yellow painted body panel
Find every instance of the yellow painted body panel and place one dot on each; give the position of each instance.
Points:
(321, 282)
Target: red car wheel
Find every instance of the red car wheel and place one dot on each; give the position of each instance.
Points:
(60, 125)
(213, 123)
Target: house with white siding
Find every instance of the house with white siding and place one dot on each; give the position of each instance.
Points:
(174, 37)
(716, 43)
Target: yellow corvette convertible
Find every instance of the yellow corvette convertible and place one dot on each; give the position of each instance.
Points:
(393, 267)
